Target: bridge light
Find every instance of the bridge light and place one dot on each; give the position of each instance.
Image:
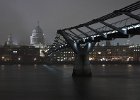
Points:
(130, 27)
(105, 35)
(96, 35)
(92, 37)
(83, 39)
(137, 25)
(114, 31)
(124, 30)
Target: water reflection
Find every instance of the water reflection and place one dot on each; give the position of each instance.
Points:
(19, 66)
(2, 67)
(83, 89)
(55, 82)
(103, 67)
(65, 66)
(130, 68)
(35, 66)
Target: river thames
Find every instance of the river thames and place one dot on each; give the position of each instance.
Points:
(43, 82)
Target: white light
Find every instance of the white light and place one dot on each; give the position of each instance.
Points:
(15, 52)
(35, 59)
(103, 65)
(2, 57)
(124, 29)
(19, 58)
(103, 58)
(90, 58)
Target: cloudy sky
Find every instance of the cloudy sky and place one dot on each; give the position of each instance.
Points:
(19, 17)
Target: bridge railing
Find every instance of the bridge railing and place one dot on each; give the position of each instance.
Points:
(119, 24)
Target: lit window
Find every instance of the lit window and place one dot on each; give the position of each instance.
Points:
(2, 57)
(19, 58)
(90, 58)
(109, 52)
(58, 59)
(99, 53)
(14, 52)
(124, 50)
(35, 59)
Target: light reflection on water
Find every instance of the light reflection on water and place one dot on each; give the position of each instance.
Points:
(130, 68)
(2, 67)
(19, 66)
(103, 67)
(45, 82)
(35, 66)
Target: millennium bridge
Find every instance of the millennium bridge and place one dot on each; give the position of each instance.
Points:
(82, 38)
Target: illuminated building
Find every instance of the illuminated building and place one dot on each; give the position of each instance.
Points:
(121, 53)
(110, 53)
(65, 55)
(37, 38)
(30, 54)
(19, 54)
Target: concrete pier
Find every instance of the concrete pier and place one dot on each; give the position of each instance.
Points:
(82, 66)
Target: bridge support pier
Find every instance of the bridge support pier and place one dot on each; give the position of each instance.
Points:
(82, 66)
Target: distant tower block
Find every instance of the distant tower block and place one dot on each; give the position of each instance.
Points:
(37, 38)
(10, 40)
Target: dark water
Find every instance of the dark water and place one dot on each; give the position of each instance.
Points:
(42, 82)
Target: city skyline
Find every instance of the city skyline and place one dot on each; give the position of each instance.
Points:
(20, 17)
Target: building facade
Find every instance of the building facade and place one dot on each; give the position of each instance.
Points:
(19, 54)
(37, 37)
(121, 53)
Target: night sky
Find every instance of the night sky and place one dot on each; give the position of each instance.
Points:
(19, 17)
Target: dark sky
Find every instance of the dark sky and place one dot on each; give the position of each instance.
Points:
(19, 17)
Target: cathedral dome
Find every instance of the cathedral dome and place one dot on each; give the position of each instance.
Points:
(37, 29)
(37, 37)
